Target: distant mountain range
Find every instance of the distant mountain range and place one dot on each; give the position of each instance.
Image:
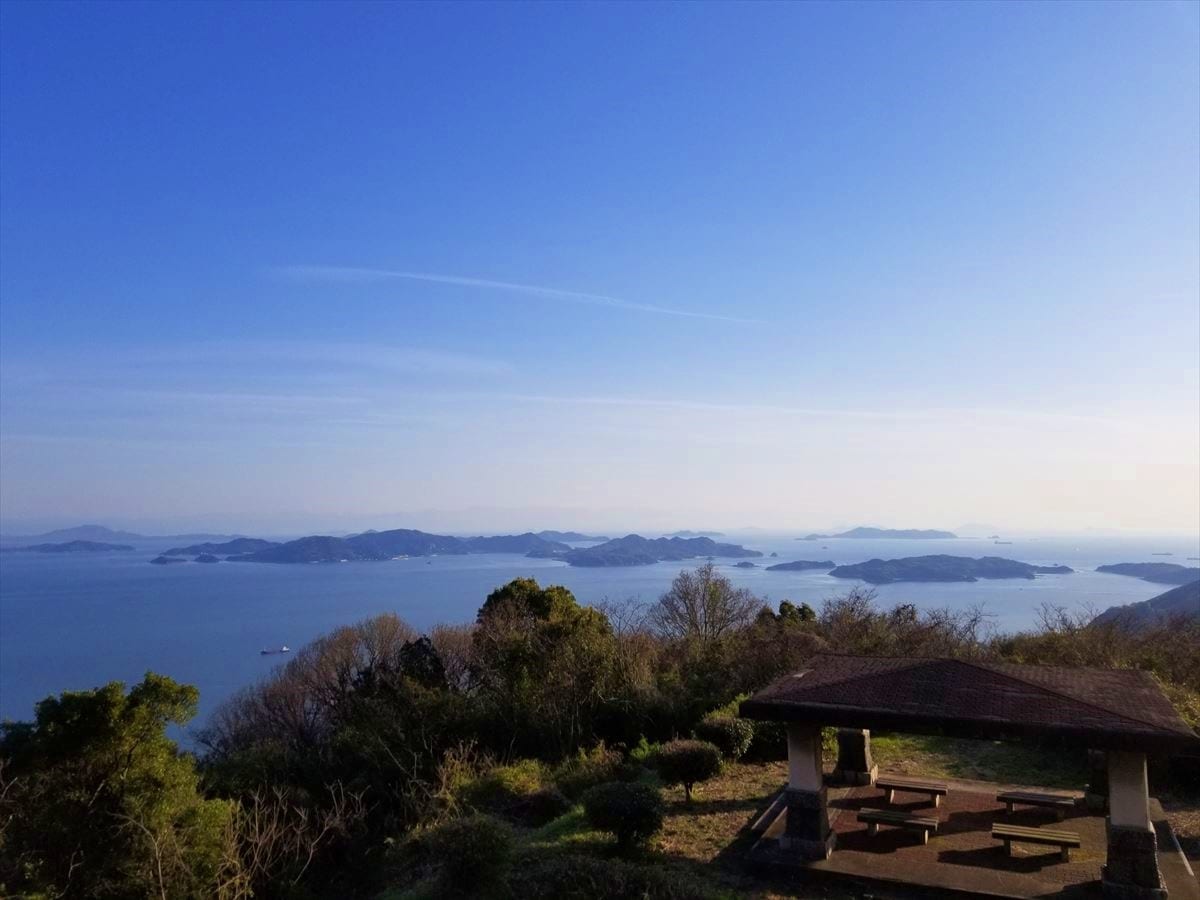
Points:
(942, 568)
(1157, 573)
(570, 537)
(694, 534)
(100, 534)
(1181, 601)
(866, 533)
(73, 547)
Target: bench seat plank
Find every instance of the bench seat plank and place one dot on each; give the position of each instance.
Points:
(935, 790)
(1060, 804)
(876, 817)
(1064, 840)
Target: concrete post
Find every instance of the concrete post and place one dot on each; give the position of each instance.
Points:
(1131, 870)
(854, 763)
(807, 833)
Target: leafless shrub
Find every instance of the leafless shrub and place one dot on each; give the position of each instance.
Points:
(277, 839)
(703, 606)
(454, 646)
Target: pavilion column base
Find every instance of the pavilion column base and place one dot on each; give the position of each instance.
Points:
(807, 833)
(854, 763)
(1131, 872)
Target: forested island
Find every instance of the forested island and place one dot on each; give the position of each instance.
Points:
(631, 550)
(1181, 601)
(903, 534)
(635, 550)
(802, 565)
(399, 542)
(942, 568)
(1156, 573)
(237, 545)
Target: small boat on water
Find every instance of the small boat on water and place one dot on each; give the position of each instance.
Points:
(266, 651)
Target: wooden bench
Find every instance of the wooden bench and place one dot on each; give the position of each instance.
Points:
(1064, 840)
(1057, 802)
(935, 790)
(876, 817)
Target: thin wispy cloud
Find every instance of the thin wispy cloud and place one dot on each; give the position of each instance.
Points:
(353, 274)
(344, 354)
(899, 414)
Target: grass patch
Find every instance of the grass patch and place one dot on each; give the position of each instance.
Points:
(568, 832)
(1002, 762)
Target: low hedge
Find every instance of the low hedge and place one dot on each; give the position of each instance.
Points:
(631, 811)
(687, 763)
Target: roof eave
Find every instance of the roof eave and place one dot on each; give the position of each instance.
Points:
(978, 729)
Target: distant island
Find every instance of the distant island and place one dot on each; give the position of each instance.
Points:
(694, 534)
(1157, 573)
(631, 550)
(635, 550)
(802, 565)
(569, 537)
(167, 560)
(1181, 601)
(101, 534)
(943, 569)
(905, 534)
(399, 542)
(237, 545)
(745, 564)
(75, 547)
(207, 558)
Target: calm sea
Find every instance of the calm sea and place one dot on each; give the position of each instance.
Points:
(69, 622)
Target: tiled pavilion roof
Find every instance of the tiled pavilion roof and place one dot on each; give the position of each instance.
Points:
(1101, 708)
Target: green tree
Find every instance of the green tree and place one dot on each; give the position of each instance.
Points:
(101, 804)
(542, 664)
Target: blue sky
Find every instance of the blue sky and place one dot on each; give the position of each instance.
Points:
(306, 266)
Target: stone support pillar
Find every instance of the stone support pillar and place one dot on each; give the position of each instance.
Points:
(1131, 870)
(807, 833)
(854, 763)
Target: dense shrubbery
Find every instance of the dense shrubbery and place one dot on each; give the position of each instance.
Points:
(730, 735)
(471, 853)
(633, 811)
(585, 769)
(687, 763)
(375, 732)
